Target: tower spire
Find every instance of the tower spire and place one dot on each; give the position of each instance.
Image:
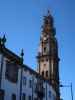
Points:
(48, 26)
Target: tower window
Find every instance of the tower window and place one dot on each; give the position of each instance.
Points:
(44, 49)
(47, 59)
(42, 60)
(46, 73)
(44, 65)
(42, 73)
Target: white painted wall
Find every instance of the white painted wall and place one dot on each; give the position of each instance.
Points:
(9, 87)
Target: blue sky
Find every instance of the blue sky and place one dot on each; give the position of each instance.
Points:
(22, 20)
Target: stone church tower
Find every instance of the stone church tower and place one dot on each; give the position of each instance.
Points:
(48, 60)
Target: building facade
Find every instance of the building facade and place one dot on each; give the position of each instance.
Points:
(18, 81)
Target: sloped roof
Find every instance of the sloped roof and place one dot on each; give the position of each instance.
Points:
(17, 59)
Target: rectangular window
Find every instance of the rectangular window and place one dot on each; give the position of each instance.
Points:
(30, 98)
(53, 96)
(1, 94)
(11, 72)
(35, 98)
(44, 91)
(24, 96)
(46, 73)
(24, 81)
(49, 94)
(30, 83)
(13, 97)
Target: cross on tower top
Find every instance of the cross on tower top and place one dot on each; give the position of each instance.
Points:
(48, 12)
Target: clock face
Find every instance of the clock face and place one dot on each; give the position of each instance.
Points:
(45, 38)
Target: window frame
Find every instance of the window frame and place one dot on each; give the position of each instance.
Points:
(23, 96)
(2, 94)
(13, 96)
(11, 67)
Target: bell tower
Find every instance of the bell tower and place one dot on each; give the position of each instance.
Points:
(48, 60)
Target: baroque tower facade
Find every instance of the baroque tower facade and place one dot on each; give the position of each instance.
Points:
(48, 60)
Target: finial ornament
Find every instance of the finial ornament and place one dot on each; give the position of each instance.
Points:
(22, 54)
(3, 40)
(0, 40)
